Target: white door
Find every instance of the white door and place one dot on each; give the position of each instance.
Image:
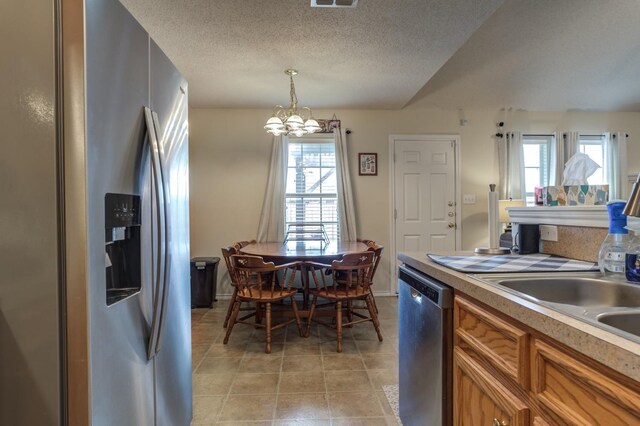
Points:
(425, 193)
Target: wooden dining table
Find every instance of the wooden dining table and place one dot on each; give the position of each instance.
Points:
(304, 251)
(310, 251)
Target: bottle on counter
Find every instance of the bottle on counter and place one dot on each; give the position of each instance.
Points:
(611, 258)
(632, 258)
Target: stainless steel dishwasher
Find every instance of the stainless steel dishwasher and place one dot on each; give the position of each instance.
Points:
(425, 344)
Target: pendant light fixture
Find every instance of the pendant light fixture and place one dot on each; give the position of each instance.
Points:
(290, 121)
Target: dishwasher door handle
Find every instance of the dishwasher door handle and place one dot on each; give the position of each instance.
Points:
(426, 289)
(415, 294)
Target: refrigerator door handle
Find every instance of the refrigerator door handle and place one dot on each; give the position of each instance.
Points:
(166, 254)
(159, 265)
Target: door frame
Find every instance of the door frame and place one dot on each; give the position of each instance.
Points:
(426, 138)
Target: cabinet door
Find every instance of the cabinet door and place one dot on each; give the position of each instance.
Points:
(503, 345)
(480, 400)
(579, 394)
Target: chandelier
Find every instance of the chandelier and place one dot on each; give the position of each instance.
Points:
(290, 120)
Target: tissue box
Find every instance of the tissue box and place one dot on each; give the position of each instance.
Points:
(576, 195)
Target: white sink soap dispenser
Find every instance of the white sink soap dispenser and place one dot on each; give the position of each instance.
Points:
(611, 258)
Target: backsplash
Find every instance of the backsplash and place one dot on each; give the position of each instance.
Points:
(576, 242)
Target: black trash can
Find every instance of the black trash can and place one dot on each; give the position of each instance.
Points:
(204, 275)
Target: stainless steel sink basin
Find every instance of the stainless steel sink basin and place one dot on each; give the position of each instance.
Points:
(577, 291)
(610, 304)
(628, 322)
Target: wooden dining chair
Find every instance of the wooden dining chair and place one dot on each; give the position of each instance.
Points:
(256, 282)
(347, 280)
(377, 255)
(227, 252)
(365, 241)
(244, 243)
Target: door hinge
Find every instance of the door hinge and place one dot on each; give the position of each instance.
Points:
(395, 214)
(453, 144)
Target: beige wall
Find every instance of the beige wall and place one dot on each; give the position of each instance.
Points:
(230, 153)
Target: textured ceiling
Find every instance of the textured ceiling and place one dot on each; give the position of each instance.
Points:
(546, 55)
(378, 55)
(540, 55)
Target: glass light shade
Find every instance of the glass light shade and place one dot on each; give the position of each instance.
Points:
(503, 205)
(294, 122)
(298, 132)
(311, 125)
(276, 132)
(274, 123)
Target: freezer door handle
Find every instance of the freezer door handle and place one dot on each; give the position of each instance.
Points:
(166, 254)
(159, 262)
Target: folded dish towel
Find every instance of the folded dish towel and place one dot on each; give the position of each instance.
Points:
(513, 263)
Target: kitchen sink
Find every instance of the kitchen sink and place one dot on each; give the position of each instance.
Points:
(626, 321)
(611, 304)
(576, 291)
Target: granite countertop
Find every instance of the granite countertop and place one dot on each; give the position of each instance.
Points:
(616, 352)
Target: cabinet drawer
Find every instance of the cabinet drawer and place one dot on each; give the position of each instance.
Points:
(579, 394)
(504, 346)
(479, 399)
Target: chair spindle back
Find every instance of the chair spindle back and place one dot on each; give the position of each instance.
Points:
(258, 279)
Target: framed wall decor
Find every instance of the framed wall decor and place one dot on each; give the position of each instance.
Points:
(368, 164)
(323, 125)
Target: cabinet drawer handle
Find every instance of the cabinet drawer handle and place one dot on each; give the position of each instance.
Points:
(497, 422)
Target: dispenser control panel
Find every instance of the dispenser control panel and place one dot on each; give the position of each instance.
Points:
(121, 210)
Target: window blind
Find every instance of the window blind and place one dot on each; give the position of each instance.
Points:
(311, 188)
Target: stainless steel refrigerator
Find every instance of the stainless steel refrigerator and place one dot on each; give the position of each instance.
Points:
(94, 230)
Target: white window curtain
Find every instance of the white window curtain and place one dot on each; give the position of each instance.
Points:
(346, 209)
(556, 159)
(615, 151)
(571, 145)
(503, 166)
(271, 227)
(515, 176)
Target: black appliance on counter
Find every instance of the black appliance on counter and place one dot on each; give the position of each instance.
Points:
(528, 239)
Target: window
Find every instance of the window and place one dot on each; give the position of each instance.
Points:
(536, 149)
(311, 191)
(594, 147)
(539, 160)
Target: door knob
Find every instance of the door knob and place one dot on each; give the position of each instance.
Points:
(451, 204)
(451, 214)
(451, 225)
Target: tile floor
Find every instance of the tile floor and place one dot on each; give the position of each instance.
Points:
(304, 381)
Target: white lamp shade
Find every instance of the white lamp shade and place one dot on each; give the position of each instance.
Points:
(503, 205)
(274, 123)
(311, 125)
(298, 132)
(295, 122)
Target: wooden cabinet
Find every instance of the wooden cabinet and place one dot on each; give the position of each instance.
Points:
(578, 393)
(480, 399)
(505, 374)
(503, 345)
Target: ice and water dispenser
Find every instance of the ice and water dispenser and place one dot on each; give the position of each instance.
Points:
(122, 246)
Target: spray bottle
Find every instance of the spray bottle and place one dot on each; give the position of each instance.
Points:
(611, 258)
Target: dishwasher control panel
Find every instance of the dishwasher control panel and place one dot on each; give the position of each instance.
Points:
(414, 282)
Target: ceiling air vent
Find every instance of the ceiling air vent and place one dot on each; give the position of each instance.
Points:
(334, 3)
